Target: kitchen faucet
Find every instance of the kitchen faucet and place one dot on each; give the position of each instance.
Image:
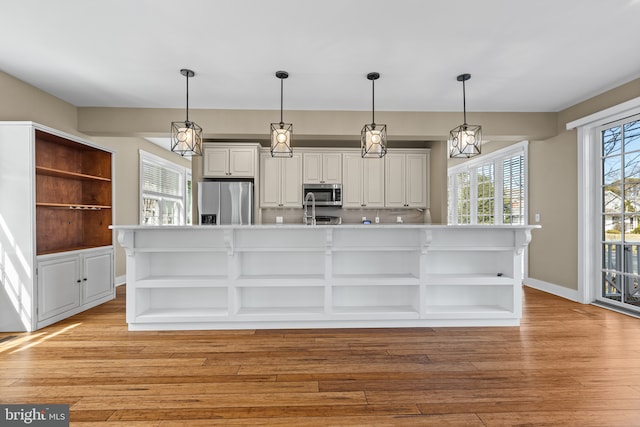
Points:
(313, 209)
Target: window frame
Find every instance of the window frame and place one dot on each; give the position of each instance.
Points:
(183, 200)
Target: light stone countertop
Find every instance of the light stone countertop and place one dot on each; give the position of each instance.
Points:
(311, 227)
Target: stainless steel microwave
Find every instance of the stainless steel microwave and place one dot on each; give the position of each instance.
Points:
(324, 194)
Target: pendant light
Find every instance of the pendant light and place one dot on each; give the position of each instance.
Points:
(465, 140)
(281, 133)
(373, 137)
(186, 137)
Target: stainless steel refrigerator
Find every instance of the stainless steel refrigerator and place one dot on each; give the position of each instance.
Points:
(225, 202)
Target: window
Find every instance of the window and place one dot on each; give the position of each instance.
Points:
(165, 192)
(490, 189)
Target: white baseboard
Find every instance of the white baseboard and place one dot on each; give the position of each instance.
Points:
(551, 288)
(120, 280)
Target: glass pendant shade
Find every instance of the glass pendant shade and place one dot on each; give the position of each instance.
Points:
(281, 133)
(186, 136)
(373, 137)
(373, 140)
(465, 140)
(281, 139)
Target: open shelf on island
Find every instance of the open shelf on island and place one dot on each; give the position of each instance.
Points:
(181, 302)
(468, 279)
(369, 279)
(283, 312)
(173, 281)
(469, 298)
(280, 299)
(160, 315)
(466, 311)
(377, 312)
(375, 299)
(181, 264)
(269, 280)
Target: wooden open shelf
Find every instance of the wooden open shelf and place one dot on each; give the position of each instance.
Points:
(73, 195)
(66, 174)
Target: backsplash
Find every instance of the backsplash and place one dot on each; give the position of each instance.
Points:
(350, 216)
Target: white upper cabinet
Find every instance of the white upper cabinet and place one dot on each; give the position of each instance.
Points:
(406, 179)
(280, 181)
(229, 162)
(363, 181)
(322, 168)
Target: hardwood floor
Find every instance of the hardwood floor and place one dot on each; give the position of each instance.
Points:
(567, 364)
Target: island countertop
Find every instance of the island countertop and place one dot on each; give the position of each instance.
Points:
(301, 276)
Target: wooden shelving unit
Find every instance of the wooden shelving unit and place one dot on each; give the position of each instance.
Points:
(56, 206)
(73, 195)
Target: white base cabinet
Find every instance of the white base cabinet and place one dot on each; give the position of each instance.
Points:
(73, 282)
(294, 276)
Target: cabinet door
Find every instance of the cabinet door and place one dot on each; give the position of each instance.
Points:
(417, 182)
(291, 182)
(395, 180)
(58, 286)
(242, 162)
(215, 162)
(312, 168)
(332, 168)
(373, 182)
(352, 185)
(270, 177)
(97, 276)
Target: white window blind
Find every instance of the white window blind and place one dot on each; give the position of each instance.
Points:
(158, 179)
(513, 190)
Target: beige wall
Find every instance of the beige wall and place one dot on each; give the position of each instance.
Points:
(19, 101)
(553, 193)
(552, 150)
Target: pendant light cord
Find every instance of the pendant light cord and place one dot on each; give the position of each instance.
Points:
(373, 103)
(187, 76)
(464, 102)
(281, 102)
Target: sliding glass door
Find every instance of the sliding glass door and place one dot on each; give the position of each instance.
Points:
(620, 213)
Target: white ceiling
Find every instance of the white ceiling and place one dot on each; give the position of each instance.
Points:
(534, 55)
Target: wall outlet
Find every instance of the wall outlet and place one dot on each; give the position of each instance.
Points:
(537, 217)
(279, 220)
(377, 220)
(399, 220)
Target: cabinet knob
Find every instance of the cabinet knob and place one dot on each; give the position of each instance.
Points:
(78, 281)
(85, 279)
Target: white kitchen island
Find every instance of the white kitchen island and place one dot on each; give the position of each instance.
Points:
(296, 276)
